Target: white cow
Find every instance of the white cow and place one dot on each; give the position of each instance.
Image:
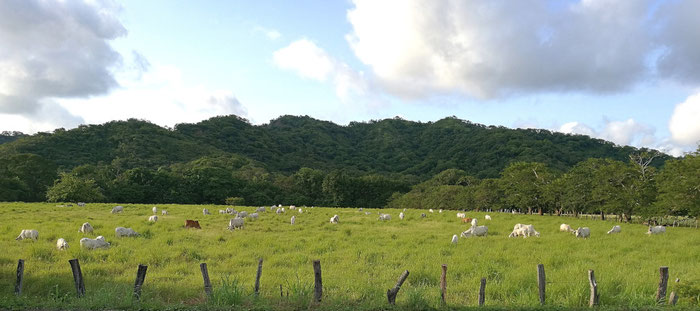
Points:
(487, 217)
(117, 209)
(615, 229)
(294, 219)
(440, 211)
(81, 204)
(155, 210)
(98, 242)
(236, 223)
(153, 218)
(430, 210)
(474, 222)
(61, 244)
(368, 213)
(253, 216)
(401, 215)
(205, 212)
(582, 232)
(656, 230)
(476, 231)
(86, 228)
(222, 211)
(360, 209)
(164, 212)
(335, 219)
(124, 232)
(243, 214)
(455, 238)
(28, 234)
(565, 228)
(524, 231)
(384, 217)
(461, 215)
(231, 211)
(279, 210)
(261, 209)
(300, 211)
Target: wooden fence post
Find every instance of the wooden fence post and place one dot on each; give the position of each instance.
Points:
(20, 277)
(594, 289)
(77, 277)
(663, 282)
(541, 282)
(281, 293)
(673, 298)
(443, 283)
(140, 278)
(205, 276)
(318, 284)
(482, 292)
(391, 293)
(257, 277)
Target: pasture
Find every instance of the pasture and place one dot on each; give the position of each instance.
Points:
(361, 257)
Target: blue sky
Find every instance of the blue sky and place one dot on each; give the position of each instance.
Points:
(623, 71)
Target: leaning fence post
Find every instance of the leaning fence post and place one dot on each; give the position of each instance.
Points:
(391, 293)
(140, 278)
(663, 282)
(20, 277)
(482, 292)
(594, 289)
(318, 284)
(443, 283)
(205, 276)
(673, 298)
(257, 277)
(77, 277)
(541, 282)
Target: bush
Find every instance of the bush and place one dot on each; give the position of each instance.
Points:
(235, 201)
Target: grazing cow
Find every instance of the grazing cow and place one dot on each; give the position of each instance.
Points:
(474, 222)
(81, 204)
(565, 228)
(236, 223)
(98, 242)
(231, 211)
(117, 209)
(360, 209)
(28, 234)
(153, 218)
(476, 231)
(368, 213)
(205, 212)
(242, 214)
(487, 217)
(462, 215)
(222, 211)
(61, 244)
(401, 215)
(440, 211)
(253, 216)
(86, 228)
(279, 210)
(384, 217)
(192, 224)
(294, 219)
(292, 207)
(656, 230)
(423, 215)
(164, 212)
(455, 238)
(155, 210)
(300, 210)
(404, 209)
(582, 232)
(467, 220)
(261, 209)
(615, 229)
(524, 231)
(335, 219)
(124, 232)
(430, 210)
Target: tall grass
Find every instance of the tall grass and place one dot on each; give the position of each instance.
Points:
(361, 258)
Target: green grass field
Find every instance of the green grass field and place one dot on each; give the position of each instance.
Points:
(361, 257)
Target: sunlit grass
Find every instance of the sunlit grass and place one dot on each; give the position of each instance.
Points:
(361, 258)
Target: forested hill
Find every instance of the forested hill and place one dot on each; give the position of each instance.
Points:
(6, 137)
(290, 142)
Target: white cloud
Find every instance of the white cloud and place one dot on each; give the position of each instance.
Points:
(577, 128)
(310, 61)
(271, 34)
(628, 132)
(685, 121)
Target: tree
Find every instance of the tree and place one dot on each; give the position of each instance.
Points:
(70, 188)
(235, 201)
(679, 186)
(523, 185)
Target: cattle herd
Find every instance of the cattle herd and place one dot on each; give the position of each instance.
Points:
(238, 222)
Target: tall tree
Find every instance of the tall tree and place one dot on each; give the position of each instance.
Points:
(523, 185)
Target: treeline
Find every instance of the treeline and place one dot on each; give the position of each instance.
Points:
(600, 186)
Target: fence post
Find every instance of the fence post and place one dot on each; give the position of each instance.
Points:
(257, 277)
(205, 276)
(20, 277)
(318, 284)
(541, 282)
(594, 289)
(140, 278)
(482, 292)
(391, 293)
(673, 298)
(77, 277)
(443, 283)
(663, 282)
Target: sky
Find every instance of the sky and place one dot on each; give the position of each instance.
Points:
(623, 71)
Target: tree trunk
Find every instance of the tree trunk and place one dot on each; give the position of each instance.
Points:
(575, 213)
(559, 212)
(529, 210)
(602, 215)
(539, 211)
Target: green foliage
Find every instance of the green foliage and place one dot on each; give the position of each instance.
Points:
(235, 201)
(679, 186)
(70, 188)
(524, 185)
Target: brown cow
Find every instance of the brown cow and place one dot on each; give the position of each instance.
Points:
(192, 224)
(466, 220)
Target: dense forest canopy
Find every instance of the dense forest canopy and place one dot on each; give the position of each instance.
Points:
(450, 164)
